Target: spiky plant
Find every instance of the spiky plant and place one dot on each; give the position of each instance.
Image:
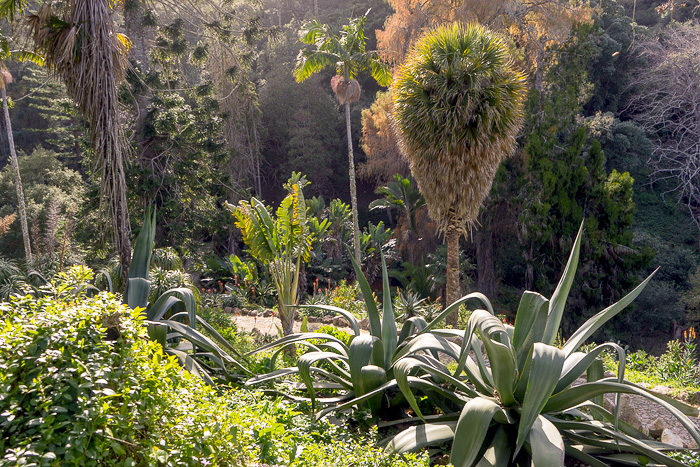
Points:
(81, 47)
(458, 106)
(346, 53)
(520, 406)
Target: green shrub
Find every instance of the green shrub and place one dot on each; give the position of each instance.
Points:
(679, 364)
(69, 397)
(342, 336)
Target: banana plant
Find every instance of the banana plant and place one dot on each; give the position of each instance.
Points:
(362, 373)
(521, 409)
(172, 318)
(282, 243)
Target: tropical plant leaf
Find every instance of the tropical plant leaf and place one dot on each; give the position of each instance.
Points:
(546, 444)
(418, 437)
(547, 362)
(389, 337)
(375, 327)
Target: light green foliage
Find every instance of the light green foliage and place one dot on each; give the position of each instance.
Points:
(282, 243)
(520, 409)
(95, 402)
(342, 336)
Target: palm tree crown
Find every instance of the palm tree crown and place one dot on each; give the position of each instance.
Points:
(343, 51)
(458, 109)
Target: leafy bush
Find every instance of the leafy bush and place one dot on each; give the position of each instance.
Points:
(70, 397)
(679, 363)
(342, 336)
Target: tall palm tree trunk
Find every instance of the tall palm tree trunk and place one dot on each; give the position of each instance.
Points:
(353, 185)
(18, 179)
(452, 293)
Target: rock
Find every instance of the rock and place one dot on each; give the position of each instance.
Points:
(364, 324)
(313, 319)
(669, 437)
(443, 460)
(327, 320)
(609, 374)
(111, 323)
(340, 322)
(579, 382)
(695, 398)
(665, 390)
(656, 428)
(629, 414)
(268, 313)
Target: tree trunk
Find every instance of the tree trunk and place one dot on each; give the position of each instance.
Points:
(18, 180)
(353, 185)
(452, 293)
(485, 270)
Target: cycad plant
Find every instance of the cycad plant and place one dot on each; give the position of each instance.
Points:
(457, 109)
(282, 243)
(520, 408)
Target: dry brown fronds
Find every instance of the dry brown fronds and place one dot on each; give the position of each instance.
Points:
(6, 76)
(82, 47)
(346, 91)
(6, 222)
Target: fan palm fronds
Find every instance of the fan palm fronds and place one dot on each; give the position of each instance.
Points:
(458, 109)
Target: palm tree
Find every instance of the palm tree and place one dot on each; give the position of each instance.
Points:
(346, 53)
(458, 109)
(82, 48)
(401, 195)
(5, 79)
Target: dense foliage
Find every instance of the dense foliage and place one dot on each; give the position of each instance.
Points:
(95, 401)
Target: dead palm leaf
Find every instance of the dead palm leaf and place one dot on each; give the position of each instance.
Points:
(82, 48)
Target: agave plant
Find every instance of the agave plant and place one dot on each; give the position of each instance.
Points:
(362, 373)
(520, 408)
(172, 318)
